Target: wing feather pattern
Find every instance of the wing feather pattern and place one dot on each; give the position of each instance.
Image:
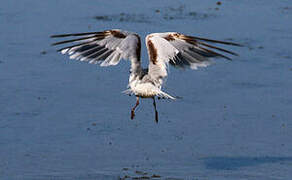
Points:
(181, 51)
(106, 47)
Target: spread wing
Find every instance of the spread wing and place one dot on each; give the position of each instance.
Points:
(107, 47)
(182, 51)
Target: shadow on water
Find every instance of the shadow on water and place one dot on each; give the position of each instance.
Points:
(70, 177)
(211, 163)
(234, 163)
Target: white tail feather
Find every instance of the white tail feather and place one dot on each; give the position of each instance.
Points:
(165, 95)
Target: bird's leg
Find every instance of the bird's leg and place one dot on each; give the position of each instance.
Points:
(156, 113)
(133, 109)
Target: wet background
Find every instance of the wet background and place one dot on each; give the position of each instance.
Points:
(63, 119)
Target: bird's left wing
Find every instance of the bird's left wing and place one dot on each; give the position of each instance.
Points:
(182, 51)
(106, 47)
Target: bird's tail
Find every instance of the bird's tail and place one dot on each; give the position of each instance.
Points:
(165, 95)
(160, 94)
(128, 92)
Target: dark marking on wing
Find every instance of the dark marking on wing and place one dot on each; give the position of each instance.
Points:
(169, 37)
(152, 52)
(138, 49)
(117, 34)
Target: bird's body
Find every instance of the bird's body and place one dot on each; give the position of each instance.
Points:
(141, 84)
(109, 47)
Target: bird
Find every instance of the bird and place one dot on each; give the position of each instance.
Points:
(108, 47)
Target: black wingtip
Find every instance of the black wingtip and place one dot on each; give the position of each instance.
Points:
(216, 41)
(74, 40)
(76, 34)
(54, 44)
(225, 57)
(53, 36)
(236, 44)
(60, 35)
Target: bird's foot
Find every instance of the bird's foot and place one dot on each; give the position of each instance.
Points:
(132, 114)
(156, 116)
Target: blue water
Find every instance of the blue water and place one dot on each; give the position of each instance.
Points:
(63, 119)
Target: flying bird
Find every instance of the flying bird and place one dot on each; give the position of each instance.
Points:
(108, 47)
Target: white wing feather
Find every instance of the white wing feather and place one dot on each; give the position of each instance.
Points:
(106, 48)
(165, 51)
(180, 50)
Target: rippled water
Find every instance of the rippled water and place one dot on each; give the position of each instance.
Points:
(63, 119)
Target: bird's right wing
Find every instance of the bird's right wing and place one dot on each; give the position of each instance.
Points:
(182, 51)
(107, 47)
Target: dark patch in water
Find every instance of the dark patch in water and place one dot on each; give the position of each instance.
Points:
(234, 163)
(284, 54)
(248, 85)
(169, 13)
(201, 16)
(287, 57)
(189, 15)
(180, 12)
(103, 18)
(44, 52)
(26, 114)
(124, 17)
(129, 174)
(70, 176)
(287, 9)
